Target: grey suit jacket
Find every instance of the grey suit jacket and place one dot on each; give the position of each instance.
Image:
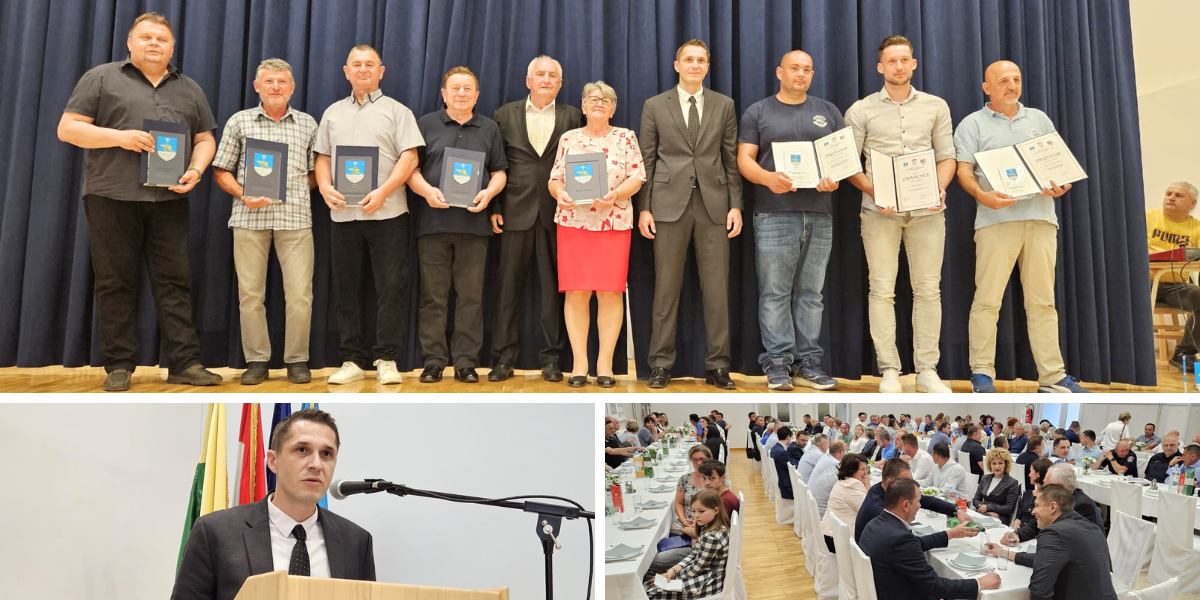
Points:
(672, 165)
(527, 193)
(228, 546)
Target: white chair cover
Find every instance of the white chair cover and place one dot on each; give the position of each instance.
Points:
(770, 485)
(826, 584)
(785, 510)
(1161, 591)
(1127, 498)
(732, 566)
(1018, 473)
(847, 587)
(971, 480)
(810, 539)
(1176, 549)
(1129, 541)
(797, 516)
(864, 575)
(739, 584)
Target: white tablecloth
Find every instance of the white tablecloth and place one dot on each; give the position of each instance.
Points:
(1014, 582)
(623, 579)
(1096, 486)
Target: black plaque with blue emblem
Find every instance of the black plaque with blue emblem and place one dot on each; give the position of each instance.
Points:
(356, 172)
(462, 176)
(265, 170)
(169, 161)
(587, 177)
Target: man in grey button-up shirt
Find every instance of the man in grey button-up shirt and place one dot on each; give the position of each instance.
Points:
(901, 120)
(130, 223)
(378, 225)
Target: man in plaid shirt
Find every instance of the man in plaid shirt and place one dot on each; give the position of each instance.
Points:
(257, 221)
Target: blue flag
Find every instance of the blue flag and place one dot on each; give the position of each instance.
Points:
(282, 411)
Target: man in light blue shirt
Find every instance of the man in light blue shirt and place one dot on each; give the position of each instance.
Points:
(813, 453)
(1149, 439)
(1090, 449)
(1191, 458)
(1010, 231)
(824, 475)
(942, 435)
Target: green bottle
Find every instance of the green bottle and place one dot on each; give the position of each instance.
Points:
(951, 522)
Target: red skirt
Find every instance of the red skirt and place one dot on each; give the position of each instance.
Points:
(592, 260)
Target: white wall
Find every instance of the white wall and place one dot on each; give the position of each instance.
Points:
(98, 493)
(1168, 83)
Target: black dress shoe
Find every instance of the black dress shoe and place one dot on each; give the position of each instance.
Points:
(117, 381)
(719, 378)
(500, 372)
(605, 381)
(577, 381)
(659, 378)
(467, 375)
(255, 373)
(552, 372)
(298, 373)
(431, 374)
(195, 375)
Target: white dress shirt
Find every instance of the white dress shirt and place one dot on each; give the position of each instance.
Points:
(948, 476)
(811, 455)
(282, 541)
(687, 107)
(539, 124)
(922, 466)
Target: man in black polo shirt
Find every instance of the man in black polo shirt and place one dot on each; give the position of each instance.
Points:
(975, 449)
(130, 223)
(452, 241)
(1120, 461)
(1170, 456)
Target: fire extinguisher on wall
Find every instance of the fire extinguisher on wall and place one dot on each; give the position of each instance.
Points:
(1028, 414)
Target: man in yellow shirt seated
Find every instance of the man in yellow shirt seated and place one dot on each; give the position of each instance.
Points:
(1166, 229)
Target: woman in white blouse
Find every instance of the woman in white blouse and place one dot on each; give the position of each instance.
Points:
(847, 495)
(860, 439)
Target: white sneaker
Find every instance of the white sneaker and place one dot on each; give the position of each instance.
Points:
(348, 373)
(386, 371)
(890, 383)
(928, 381)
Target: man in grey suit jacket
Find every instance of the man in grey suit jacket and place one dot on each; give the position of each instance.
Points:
(284, 531)
(524, 218)
(1071, 562)
(688, 139)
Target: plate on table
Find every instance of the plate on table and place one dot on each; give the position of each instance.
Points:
(923, 530)
(661, 489)
(637, 523)
(1139, 481)
(988, 521)
(622, 552)
(969, 562)
(655, 504)
(674, 469)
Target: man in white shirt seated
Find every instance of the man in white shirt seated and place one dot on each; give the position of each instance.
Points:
(948, 474)
(813, 453)
(918, 460)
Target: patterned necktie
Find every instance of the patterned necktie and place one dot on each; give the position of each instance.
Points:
(693, 122)
(299, 562)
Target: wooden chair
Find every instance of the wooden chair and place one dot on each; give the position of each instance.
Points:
(1169, 325)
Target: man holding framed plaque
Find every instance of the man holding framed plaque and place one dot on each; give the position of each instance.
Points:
(272, 144)
(131, 220)
(694, 197)
(368, 140)
(1013, 227)
(461, 169)
(793, 224)
(902, 123)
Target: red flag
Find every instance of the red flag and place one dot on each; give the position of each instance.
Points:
(253, 479)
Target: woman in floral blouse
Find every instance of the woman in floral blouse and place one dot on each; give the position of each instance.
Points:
(593, 237)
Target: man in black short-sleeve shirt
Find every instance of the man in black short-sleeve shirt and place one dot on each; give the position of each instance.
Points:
(128, 222)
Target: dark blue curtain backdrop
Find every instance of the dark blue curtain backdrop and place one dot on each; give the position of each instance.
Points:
(1076, 57)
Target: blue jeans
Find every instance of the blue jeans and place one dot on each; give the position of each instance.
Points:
(792, 251)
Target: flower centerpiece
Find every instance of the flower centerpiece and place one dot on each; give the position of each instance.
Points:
(611, 479)
(1139, 445)
(1087, 464)
(933, 491)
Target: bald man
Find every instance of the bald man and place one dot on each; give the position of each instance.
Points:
(1168, 228)
(1010, 231)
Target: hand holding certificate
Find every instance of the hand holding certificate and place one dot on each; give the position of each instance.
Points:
(834, 156)
(587, 177)
(265, 170)
(1031, 167)
(906, 183)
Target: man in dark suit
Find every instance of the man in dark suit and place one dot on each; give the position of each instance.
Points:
(781, 457)
(874, 503)
(1071, 562)
(694, 196)
(525, 217)
(898, 557)
(796, 449)
(284, 531)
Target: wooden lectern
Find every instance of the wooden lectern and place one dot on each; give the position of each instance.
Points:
(281, 586)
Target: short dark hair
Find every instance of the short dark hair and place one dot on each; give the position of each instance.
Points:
(694, 418)
(893, 469)
(849, 465)
(1074, 425)
(941, 449)
(808, 416)
(909, 440)
(1089, 434)
(784, 432)
(1193, 449)
(751, 415)
(972, 430)
(1034, 442)
(862, 414)
(711, 466)
(899, 490)
(721, 415)
(1041, 466)
(1001, 442)
(648, 419)
(944, 424)
(152, 17)
(460, 70)
(316, 415)
(692, 42)
(1061, 439)
(1152, 425)
(1052, 492)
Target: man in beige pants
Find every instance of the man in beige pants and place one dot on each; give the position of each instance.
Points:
(257, 221)
(1011, 231)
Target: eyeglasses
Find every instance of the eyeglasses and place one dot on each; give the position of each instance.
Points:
(591, 100)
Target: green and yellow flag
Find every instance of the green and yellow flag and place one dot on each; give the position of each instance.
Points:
(210, 487)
